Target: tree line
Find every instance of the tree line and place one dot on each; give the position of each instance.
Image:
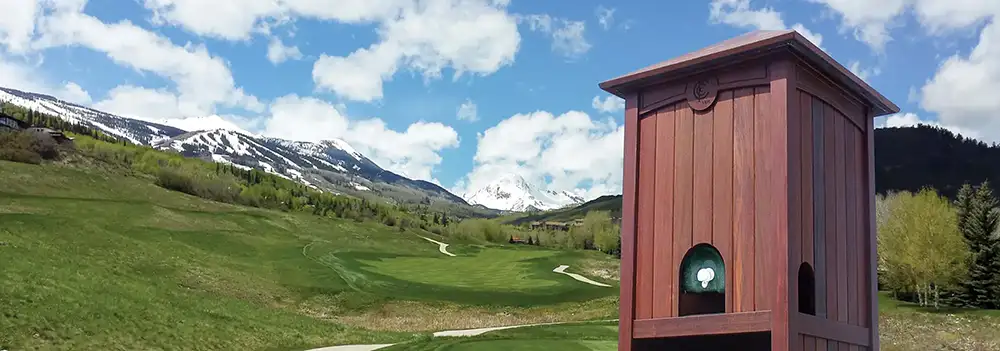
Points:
(935, 251)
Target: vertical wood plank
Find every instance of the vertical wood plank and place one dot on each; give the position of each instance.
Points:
(777, 190)
(830, 207)
(722, 182)
(822, 345)
(629, 179)
(743, 200)
(702, 201)
(805, 105)
(683, 185)
(809, 343)
(870, 234)
(646, 220)
(795, 205)
(819, 206)
(840, 154)
(665, 272)
(850, 180)
(764, 273)
(860, 223)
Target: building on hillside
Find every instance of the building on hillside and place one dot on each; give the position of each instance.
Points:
(58, 136)
(564, 226)
(9, 122)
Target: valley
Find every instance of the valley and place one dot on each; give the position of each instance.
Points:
(125, 258)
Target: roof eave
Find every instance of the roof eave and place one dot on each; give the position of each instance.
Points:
(793, 41)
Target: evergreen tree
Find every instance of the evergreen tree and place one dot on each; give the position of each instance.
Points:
(978, 217)
(531, 241)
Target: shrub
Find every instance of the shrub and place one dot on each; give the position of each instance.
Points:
(45, 146)
(17, 147)
(173, 179)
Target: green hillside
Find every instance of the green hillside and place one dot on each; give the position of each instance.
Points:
(98, 257)
(610, 203)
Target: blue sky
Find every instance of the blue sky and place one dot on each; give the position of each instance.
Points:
(463, 91)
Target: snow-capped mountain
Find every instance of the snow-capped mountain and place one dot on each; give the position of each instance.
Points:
(205, 123)
(330, 163)
(512, 193)
(134, 130)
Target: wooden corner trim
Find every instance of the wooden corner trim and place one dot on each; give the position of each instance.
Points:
(707, 324)
(832, 330)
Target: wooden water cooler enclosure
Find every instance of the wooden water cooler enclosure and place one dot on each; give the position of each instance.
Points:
(748, 220)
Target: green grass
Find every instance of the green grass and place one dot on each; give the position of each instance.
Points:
(597, 336)
(903, 327)
(95, 260)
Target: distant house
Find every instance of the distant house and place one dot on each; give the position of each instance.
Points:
(552, 225)
(56, 135)
(8, 122)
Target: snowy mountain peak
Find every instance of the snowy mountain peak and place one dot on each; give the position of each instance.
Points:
(205, 123)
(511, 192)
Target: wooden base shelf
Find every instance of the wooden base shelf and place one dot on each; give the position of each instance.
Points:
(706, 324)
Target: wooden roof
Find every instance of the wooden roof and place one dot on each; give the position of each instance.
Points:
(752, 44)
(21, 123)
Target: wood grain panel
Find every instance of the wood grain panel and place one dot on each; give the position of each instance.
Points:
(743, 200)
(806, 134)
(861, 275)
(830, 209)
(702, 201)
(850, 180)
(763, 194)
(870, 273)
(840, 154)
(819, 207)
(626, 312)
(683, 184)
(705, 324)
(831, 94)
(795, 204)
(722, 183)
(662, 93)
(808, 343)
(664, 294)
(645, 226)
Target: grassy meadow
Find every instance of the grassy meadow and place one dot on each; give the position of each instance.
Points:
(94, 259)
(903, 327)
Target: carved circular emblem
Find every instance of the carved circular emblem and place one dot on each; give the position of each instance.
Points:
(702, 93)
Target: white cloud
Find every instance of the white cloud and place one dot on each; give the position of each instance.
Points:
(223, 19)
(576, 153)
(72, 92)
(568, 37)
(963, 92)
(25, 77)
(468, 111)
(873, 24)
(738, 13)
(201, 80)
(277, 52)
(605, 17)
(863, 73)
(610, 104)
(911, 119)
(468, 36)
(141, 103)
(413, 153)
(17, 24)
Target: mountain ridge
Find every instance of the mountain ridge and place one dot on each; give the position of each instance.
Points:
(331, 164)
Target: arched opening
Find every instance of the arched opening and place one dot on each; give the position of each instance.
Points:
(807, 289)
(702, 282)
